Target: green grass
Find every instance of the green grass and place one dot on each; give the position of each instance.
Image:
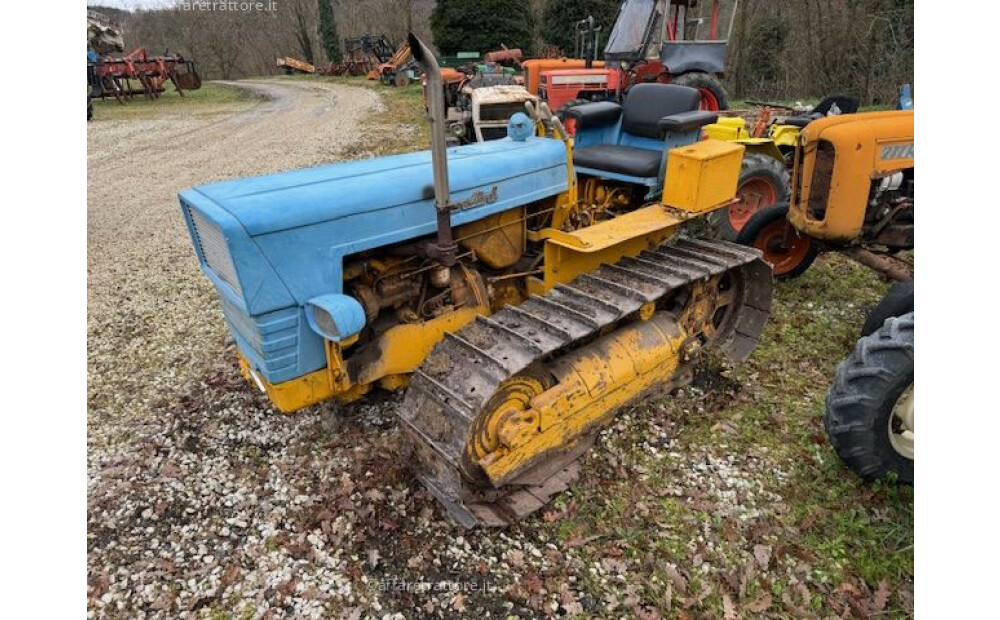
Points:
(211, 98)
(404, 108)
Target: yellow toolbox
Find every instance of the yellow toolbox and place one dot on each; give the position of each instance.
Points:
(702, 176)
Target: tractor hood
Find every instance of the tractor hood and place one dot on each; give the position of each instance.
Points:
(276, 202)
(269, 244)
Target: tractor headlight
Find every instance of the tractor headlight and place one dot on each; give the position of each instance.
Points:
(336, 317)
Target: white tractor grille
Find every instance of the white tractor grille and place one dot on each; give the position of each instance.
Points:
(214, 249)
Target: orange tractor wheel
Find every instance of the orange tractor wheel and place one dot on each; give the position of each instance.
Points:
(788, 251)
(763, 183)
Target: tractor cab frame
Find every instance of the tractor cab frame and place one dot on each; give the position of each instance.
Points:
(683, 35)
(680, 41)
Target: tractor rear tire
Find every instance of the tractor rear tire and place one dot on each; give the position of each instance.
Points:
(713, 95)
(897, 302)
(869, 406)
(788, 251)
(763, 183)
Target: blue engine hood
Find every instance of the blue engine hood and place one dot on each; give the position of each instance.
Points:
(285, 200)
(271, 243)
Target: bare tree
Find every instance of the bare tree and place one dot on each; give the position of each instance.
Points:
(781, 49)
(811, 48)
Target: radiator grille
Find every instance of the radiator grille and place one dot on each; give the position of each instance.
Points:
(214, 249)
(494, 133)
(500, 111)
(819, 188)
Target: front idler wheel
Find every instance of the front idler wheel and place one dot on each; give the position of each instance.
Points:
(788, 251)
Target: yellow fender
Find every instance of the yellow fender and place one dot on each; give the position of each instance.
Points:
(735, 129)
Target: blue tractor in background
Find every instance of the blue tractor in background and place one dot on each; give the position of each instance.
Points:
(521, 290)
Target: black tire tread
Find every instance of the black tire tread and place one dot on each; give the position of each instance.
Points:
(700, 79)
(897, 302)
(864, 391)
(572, 103)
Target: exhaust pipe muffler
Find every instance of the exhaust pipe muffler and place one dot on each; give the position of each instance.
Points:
(445, 250)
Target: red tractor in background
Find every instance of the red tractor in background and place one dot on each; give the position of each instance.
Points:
(666, 41)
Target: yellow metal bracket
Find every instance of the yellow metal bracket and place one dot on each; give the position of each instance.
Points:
(568, 254)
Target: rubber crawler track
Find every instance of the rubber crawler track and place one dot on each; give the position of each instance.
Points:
(448, 392)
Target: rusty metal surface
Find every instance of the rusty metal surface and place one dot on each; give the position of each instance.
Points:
(449, 392)
(893, 267)
(138, 73)
(506, 55)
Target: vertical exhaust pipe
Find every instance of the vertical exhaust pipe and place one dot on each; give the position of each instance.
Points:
(445, 251)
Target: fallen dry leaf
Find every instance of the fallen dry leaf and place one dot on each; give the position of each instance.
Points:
(351, 613)
(532, 583)
(230, 575)
(646, 613)
(164, 602)
(516, 559)
(762, 553)
(706, 591)
(728, 607)
(678, 580)
(99, 586)
(613, 565)
(760, 605)
(881, 597)
(551, 516)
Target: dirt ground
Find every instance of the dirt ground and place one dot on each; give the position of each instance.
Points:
(721, 501)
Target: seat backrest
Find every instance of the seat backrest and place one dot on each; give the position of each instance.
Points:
(845, 103)
(646, 104)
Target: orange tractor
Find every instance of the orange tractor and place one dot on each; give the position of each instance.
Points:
(666, 41)
(852, 192)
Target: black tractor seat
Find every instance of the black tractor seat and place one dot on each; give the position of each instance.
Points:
(648, 116)
(629, 160)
